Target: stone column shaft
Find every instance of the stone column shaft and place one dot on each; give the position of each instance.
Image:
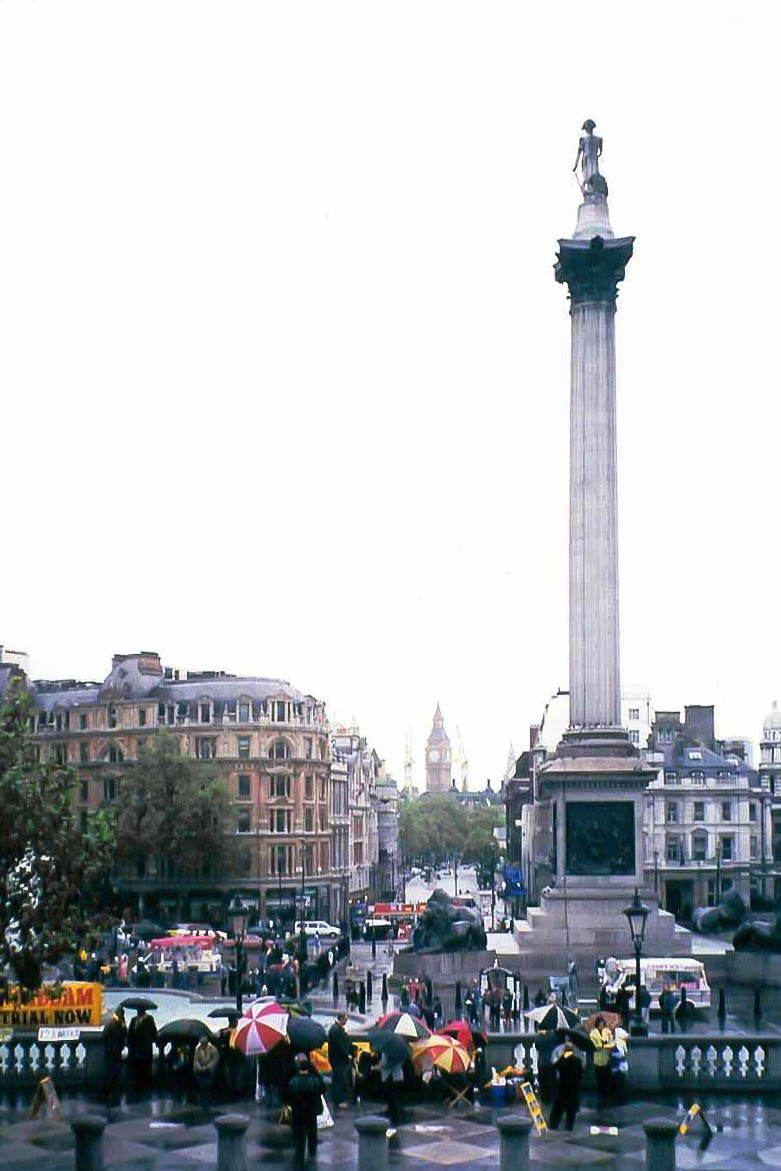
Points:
(594, 638)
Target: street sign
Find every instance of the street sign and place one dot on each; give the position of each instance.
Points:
(49, 1034)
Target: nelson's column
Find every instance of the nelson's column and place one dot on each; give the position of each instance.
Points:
(590, 795)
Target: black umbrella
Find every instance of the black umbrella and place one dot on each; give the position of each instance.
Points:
(391, 1045)
(224, 1013)
(138, 1002)
(188, 1028)
(553, 1016)
(579, 1038)
(304, 1034)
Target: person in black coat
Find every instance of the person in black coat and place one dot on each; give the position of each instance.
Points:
(304, 1093)
(340, 1057)
(566, 1093)
(114, 1037)
(141, 1037)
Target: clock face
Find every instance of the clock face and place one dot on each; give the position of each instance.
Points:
(433, 756)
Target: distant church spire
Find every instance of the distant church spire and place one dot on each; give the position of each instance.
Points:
(438, 756)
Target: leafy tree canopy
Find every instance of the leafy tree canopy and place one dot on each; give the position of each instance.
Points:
(175, 814)
(435, 827)
(53, 876)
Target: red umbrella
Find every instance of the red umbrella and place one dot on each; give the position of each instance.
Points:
(263, 1025)
(461, 1031)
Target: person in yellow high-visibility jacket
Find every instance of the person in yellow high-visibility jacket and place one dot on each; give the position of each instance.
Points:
(603, 1041)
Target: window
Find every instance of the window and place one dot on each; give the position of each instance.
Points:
(754, 846)
(278, 858)
(309, 788)
(170, 713)
(110, 788)
(279, 786)
(307, 747)
(230, 710)
(243, 713)
(727, 848)
(279, 708)
(634, 736)
(752, 811)
(279, 750)
(84, 753)
(323, 788)
(205, 713)
(205, 747)
(634, 713)
(726, 811)
(243, 821)
(244, 787)
(84, 791)
(111, 718)
(699, 847)
(142, 717)
(672, 811)
(308, 821)
(321, 819)
(726, 884)
(699, 811)
(140, 745)
(324, 856)
(711, 892)
(115, 754)
(671, 778)
(673, 848)
(243, 747)
(279, 821)
(61, 753)
(83, 721)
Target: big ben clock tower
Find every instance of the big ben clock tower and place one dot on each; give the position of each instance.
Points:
(438, 758)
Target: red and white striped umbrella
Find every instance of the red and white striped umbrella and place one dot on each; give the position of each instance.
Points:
(263, 1025)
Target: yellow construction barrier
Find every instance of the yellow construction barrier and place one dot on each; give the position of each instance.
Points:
(535, 1109)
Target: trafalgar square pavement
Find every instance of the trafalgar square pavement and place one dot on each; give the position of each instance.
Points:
(162, 1135)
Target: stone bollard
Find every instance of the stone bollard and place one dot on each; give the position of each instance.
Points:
(362, 998)
(88, 1131)
(230, 1142)
(369, 987)
(514, 1131)
(336, 988)
(372, 1142)
(384, 995)
(660, 1136)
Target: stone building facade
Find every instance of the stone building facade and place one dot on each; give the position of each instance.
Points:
(769, 771)
(363, 766)
(389, 876)
(266, 739)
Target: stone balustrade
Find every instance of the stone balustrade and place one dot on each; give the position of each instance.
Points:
(24, 1060)
(713, 1063)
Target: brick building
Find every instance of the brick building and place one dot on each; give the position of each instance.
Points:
(266, 739)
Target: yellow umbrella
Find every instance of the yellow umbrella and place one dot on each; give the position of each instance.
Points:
(428, 1049)
(455, 1060)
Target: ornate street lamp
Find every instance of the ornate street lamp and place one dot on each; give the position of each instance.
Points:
(238, 917)
(636, 916)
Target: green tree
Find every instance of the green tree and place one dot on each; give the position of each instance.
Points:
(435, 827)
(175, 813)
(53, 876)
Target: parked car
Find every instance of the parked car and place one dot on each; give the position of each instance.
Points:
(318, 927)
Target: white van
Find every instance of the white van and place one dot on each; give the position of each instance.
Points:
(656, 975)
(318, 927)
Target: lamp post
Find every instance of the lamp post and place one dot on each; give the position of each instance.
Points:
(493, 887)
(302, 941)
(636, 916)
(238, 917)
(656, 872)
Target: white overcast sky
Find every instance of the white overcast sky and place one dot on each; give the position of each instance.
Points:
(284, 369)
